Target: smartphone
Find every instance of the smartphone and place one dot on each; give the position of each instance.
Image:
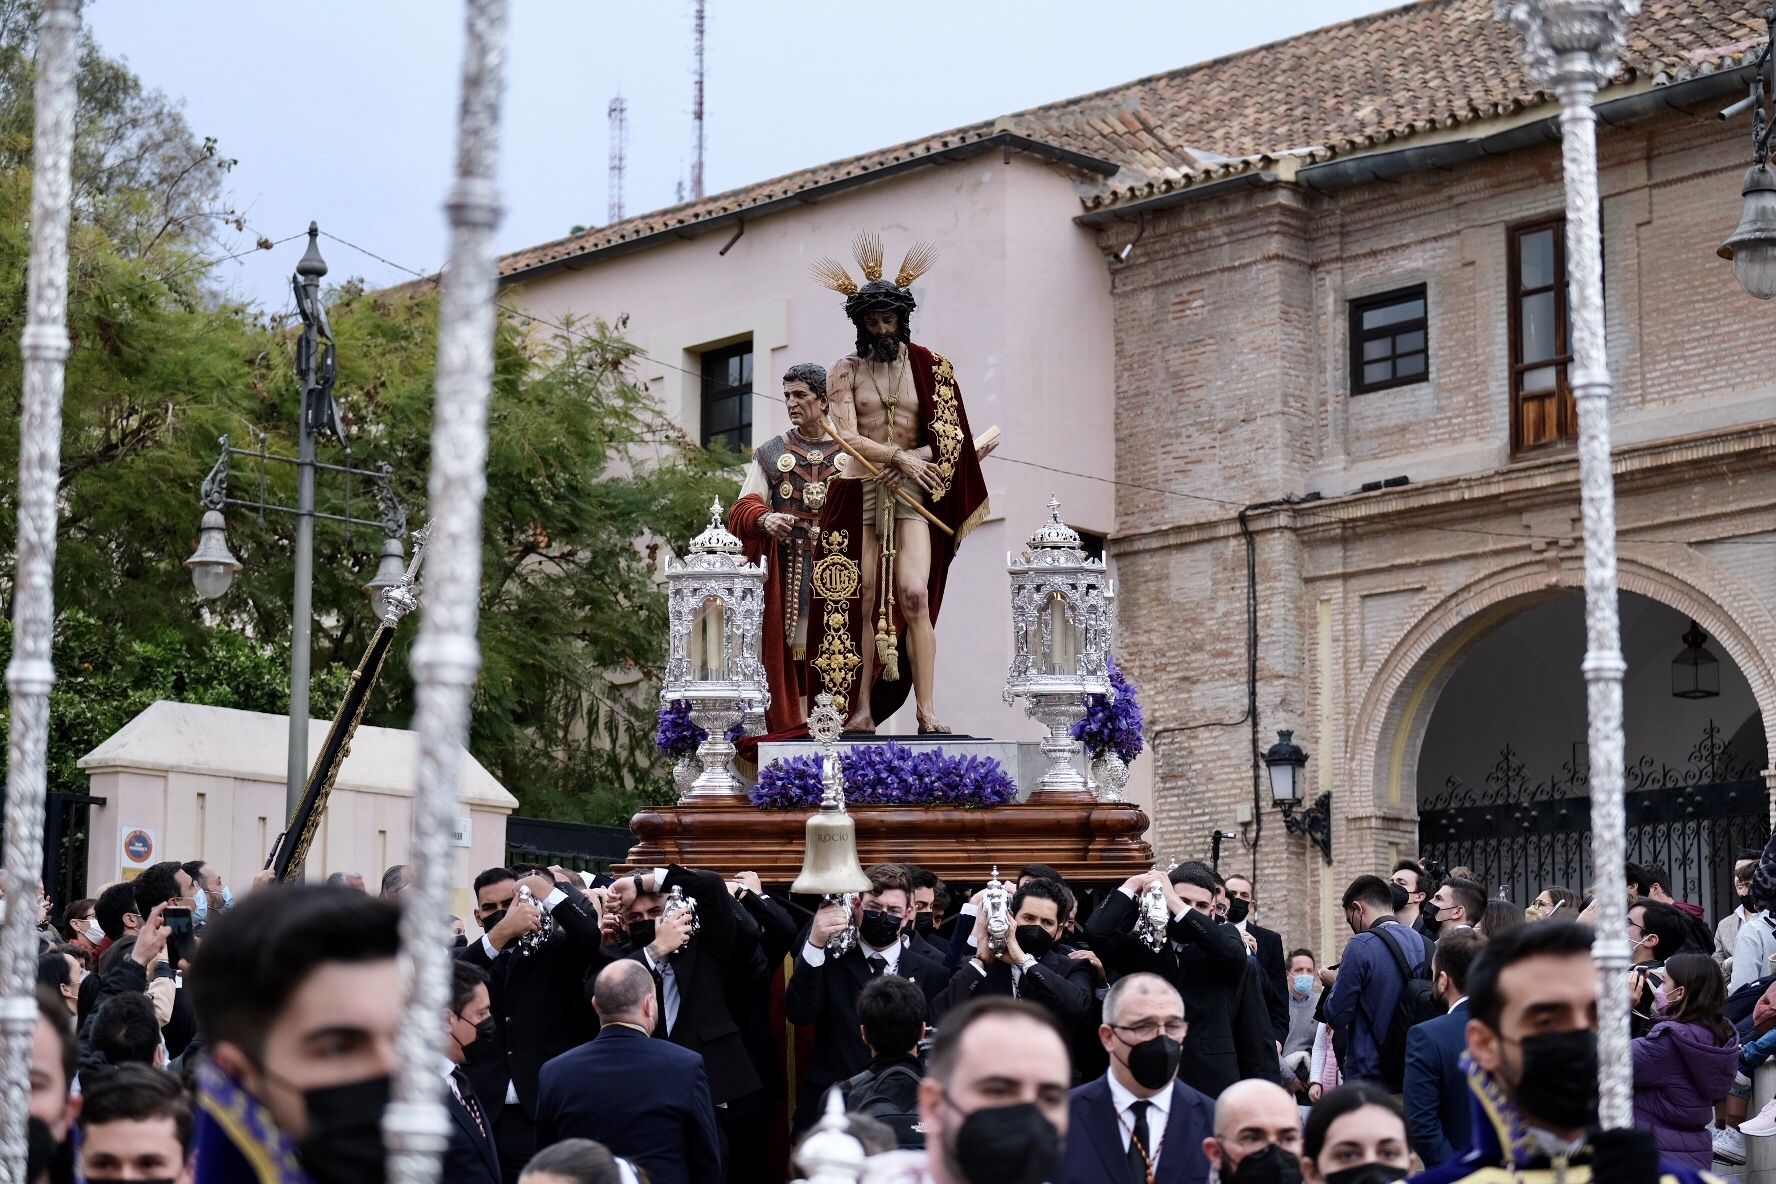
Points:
(1555, 909)
(178, 919)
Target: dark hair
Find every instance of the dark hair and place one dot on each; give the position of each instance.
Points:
(886, 877)
(1418, 873)
(84, 907)
(1499, 916)
(920, 877)
(892, 1012)
(1041, 871)
(392, 878)
(1301, 952)
(125, 1030)
(1705, 993)
(1455, 956)
(1042, 889)
(1469, 895)
(493, 875)
(135, 1093)
(1664, 922)
(110, 907)
(1555, 939)
(1650, 874)
(52, 1008)
(941, 1064)
(52, 969)
(881, 296)
(1370, 890)
(810, 373)
(1566, 898)
(1196, 874)
(80, 954)
(580, 1161)
(194, 869)
(156, 885)
(464, 978)
(255, 956)
(1336, 1104)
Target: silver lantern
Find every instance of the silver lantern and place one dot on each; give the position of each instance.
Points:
(1060, 628)
(717, 606)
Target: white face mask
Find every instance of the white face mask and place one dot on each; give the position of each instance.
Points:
(94, 933)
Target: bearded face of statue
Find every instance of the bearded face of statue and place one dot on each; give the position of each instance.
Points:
(879, 336)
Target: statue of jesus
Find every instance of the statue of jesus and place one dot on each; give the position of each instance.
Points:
(895, 406)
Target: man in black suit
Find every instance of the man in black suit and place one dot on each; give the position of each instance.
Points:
(823, 990)
(1267, 948)
(1229, 1035)
(1029, 967)
(1436, 1090)
(1138, 1122)
(539, 999)
(646, 1100)
(930, 898)
(471, 1157)
(693, 976)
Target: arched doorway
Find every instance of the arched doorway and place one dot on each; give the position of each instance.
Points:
(1502, 772)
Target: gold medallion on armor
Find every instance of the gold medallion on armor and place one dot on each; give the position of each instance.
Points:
(786, 490)
(785, 463)
(814, 494)
(815, 456)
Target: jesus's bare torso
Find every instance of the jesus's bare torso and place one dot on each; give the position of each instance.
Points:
(881, 399)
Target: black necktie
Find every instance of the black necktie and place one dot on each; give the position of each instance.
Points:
(1138, 1143)
(466, 1092)
(877, 964)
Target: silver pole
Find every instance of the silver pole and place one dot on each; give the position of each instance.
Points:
(446, 657)
(29, 675)
(301, 614)
(1572, 46)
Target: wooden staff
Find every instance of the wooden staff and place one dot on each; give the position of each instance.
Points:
(910, 499)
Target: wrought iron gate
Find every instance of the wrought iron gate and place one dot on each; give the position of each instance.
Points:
(1525, 836)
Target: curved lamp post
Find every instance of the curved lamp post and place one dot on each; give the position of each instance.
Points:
(1571, 47)
(1752, 245)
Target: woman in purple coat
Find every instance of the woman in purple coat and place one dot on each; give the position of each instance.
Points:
(1685, 1065)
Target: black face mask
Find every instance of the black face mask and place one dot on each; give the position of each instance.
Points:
(1006, 1145)
(491, 921)
(1237, 911)
(1273, 1165)
(344, 1141)
(1559, 1082)
(484, 1037)
(44, 1154)
(924, 924)
(641, 933)
(1368, 1173)
(1428, 913)
(460, 941)
(878, 928)
(1034, 940)
(1153, 1063)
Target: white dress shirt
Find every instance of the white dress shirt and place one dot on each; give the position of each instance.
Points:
(1159, 1108)
(814, 955)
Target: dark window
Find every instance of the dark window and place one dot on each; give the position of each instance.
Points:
(1542, 411)
(1092, 544)
(1389, 340)
(727, 397)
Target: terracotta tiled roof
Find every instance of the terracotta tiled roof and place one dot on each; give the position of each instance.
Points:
(1422, 67)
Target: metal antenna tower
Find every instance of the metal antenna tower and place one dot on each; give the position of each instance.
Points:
(619, 135)
(697, 112)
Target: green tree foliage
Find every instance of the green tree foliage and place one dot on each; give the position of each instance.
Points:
(586, 483)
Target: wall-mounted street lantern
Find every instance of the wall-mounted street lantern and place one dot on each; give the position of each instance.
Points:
(1287, 765)
(1695, 673)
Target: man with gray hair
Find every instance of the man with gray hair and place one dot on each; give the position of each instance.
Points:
(777, 519)
(1138, 1122)
(646, 1100)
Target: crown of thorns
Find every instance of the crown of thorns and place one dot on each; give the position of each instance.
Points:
(866, 248)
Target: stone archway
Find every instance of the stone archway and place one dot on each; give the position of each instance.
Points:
(1389, 729)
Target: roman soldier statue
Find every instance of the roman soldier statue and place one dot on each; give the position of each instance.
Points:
(910, 496)
(777, 518)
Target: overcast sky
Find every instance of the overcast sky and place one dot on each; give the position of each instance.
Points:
(343, 111)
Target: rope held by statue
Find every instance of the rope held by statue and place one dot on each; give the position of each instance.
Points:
(290, 852)
(980, 441)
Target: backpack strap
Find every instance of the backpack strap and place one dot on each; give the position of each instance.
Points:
(1393, 946)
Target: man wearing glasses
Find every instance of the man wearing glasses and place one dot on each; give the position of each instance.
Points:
(1122, 1126)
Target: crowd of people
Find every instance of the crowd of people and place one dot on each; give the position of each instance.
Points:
(685, 1026)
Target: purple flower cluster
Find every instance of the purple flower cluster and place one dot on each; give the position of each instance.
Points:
(1112, 722)
(888, 775)
(676, 736)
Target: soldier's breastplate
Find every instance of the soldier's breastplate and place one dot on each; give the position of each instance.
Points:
(797, 472)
